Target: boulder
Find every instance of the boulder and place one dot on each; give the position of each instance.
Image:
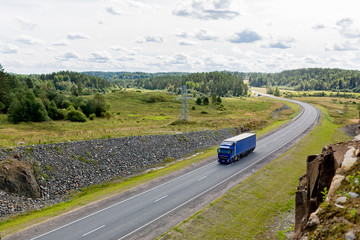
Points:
(18, 177)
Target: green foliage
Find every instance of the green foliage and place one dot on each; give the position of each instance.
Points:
(310, 79)
(75, 116)
(277, 91)
(219, 83)
(92, 116)
(206, 101)
(324, 193)
(25, 107)
(100, 104)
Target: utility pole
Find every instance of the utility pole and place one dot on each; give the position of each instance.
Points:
(184, 111)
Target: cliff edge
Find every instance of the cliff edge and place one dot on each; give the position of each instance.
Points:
(328, 195)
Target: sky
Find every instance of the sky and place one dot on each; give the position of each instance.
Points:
(44, 36)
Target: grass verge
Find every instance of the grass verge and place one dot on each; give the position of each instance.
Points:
(243, 212)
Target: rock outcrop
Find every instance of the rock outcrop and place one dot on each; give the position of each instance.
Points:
(325, 189)
(18, 177)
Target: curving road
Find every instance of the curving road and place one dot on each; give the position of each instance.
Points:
(143, 212)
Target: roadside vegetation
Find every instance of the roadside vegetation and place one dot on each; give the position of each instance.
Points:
(248, 210)
(143, 112)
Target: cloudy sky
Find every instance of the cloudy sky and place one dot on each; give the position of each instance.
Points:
(42, 36)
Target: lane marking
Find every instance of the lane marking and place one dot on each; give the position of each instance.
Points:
(160, 198)
(209, 189)
(202, 178)
(125, 200)
(93, 230)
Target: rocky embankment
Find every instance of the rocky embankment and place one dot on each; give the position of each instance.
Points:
(328, 195)
(62, 168)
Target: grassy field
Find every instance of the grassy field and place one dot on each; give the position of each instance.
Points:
(134, 113)
(246, 210)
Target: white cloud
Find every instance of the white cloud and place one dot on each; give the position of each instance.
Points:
(67, 56)
(151, 39)
(280, 43)
(76, 36)
(346, 46)
(100, 57)
(9, 49)
(208, 9)
(346, 30)
(29, 40)
(245, 36)
(319, 26)
(186, 43)
(182, 34)
(204, 35)
(61, 43)
(114, 10)
(26, 24)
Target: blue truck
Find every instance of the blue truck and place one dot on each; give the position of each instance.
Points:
(232, 149)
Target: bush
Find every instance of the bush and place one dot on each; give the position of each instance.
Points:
(75, 116)
(92, 116)
(108, 115)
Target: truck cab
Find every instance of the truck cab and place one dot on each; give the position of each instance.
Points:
(226, 152)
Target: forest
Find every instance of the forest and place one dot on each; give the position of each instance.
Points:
(324, 79)
(219, 83)
(208, 83)
(56, 96)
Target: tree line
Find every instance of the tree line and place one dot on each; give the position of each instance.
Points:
(324, 79)
(208, 83)
(37, 98)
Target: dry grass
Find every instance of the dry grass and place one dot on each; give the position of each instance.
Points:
(132, 115)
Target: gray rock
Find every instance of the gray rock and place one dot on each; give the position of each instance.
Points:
(74, 165)
(353, 195)
(341, 200)
(350, 235)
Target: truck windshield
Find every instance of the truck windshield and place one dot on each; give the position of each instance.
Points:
(224, 151)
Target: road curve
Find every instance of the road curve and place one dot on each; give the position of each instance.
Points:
(125, 219)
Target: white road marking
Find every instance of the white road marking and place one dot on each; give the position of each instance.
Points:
(93, 230)
(118, 203)
(202, 178)
(209, 189)
(160, 198)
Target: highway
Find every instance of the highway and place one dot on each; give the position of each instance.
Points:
(126, 218)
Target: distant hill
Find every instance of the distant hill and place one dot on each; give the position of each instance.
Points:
(310, 79)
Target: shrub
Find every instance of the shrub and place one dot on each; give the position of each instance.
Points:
(92, 116)
(75, 116)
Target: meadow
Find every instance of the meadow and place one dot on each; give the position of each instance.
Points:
(135, 112)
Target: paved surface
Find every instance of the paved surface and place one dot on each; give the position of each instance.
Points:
(148, 213)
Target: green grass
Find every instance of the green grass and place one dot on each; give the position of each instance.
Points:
(133, 114)
(244, 211)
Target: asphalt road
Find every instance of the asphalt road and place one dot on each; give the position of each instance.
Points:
(124, 219)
